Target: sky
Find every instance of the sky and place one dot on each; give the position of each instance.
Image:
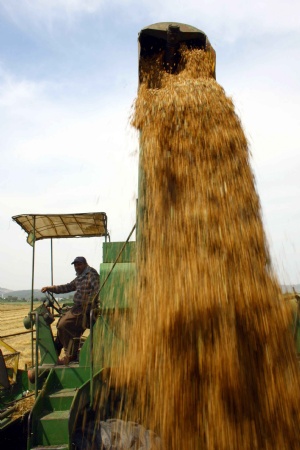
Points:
(68, 81)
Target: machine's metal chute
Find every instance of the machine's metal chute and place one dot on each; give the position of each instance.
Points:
(167, 37)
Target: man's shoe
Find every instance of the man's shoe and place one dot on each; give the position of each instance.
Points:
(65, 360)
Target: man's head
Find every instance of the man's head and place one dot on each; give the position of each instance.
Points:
(79, 264)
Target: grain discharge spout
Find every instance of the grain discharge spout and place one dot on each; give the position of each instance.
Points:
(161, 49)
(166, 38)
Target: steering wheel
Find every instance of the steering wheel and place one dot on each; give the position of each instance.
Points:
(50, 301)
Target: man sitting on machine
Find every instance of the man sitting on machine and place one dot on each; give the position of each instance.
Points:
(72, 325)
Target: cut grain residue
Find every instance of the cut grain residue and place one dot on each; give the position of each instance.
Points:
(210, 352)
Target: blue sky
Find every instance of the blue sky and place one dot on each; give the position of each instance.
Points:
(68, 79)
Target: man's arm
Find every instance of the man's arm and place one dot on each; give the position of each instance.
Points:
(61, 289)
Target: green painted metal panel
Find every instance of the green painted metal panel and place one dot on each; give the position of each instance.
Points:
(80, 402)
(48, 353)
(111, 251)
(53, 428)
(107, 343)
(118, 289)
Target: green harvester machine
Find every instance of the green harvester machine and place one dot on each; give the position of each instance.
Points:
(64, 395)
(74, 408)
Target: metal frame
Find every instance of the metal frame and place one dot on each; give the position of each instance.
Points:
(53, 230)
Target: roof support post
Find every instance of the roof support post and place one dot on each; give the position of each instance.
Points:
(51, 246)
(32, 286)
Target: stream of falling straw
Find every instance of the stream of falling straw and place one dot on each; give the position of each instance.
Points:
(210, 360)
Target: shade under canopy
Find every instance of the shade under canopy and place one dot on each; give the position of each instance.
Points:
(45, 226)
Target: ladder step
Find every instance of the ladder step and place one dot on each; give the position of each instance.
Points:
(56, 415)
(52, 429)
(61, 399)
(64, 393)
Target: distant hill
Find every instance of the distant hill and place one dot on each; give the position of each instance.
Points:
(26, 294)
(4, 292)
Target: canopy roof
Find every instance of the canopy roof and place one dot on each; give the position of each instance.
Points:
(45, 226)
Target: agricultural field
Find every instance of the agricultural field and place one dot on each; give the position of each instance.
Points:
(11, 322)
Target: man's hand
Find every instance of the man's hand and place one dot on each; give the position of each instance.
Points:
(46, 288)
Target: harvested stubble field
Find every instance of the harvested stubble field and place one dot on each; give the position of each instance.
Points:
(11, 322)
